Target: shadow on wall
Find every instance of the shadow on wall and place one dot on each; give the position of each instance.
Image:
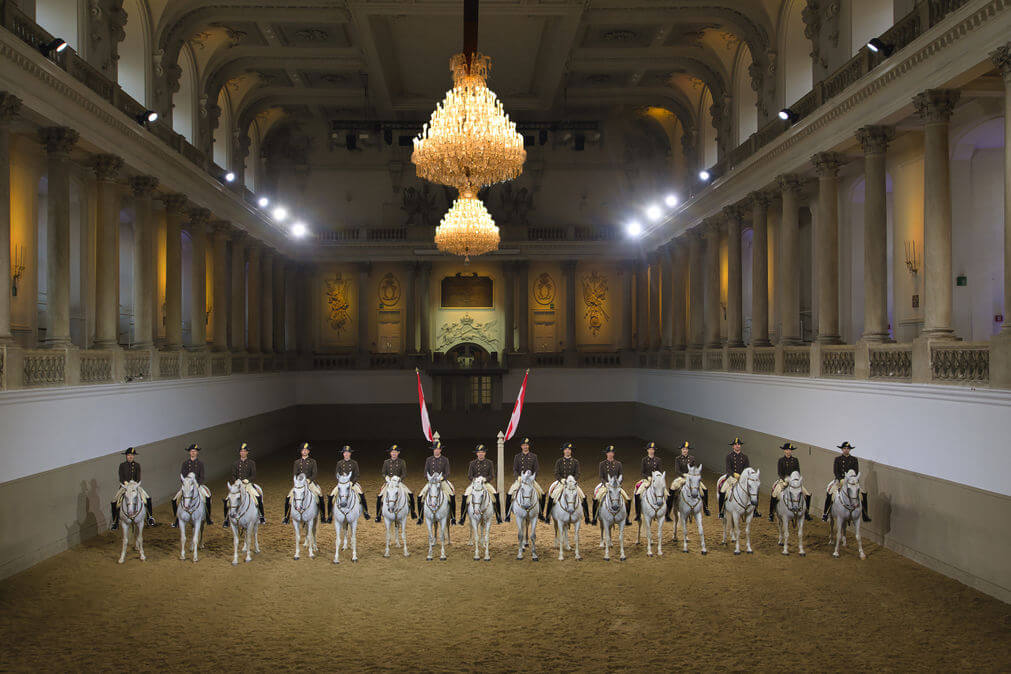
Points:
(89, 514)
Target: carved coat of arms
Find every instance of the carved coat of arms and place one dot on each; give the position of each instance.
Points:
(338, 302)
(389, 290)
(595, 300)
(544, 289)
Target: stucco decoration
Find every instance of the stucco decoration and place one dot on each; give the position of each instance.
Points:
(467, 330)
(338, 302)
(595, 300)
(544, 290)
(389, 290)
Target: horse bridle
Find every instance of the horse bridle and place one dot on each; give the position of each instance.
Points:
(479, 509)
(245, 500)
(301, 499)
(350, 501)
(794, 505)
(393, 505)
(140, 506)
(184, 499)
(574, 501)
(528, 495)
(736, 499)
(846, 500)
(686, 494)
(614, 509)
(435, 502)
(659, 503)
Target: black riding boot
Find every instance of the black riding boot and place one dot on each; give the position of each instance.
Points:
(175, 518)
(828, 506)
(638, 508)
(586, 511)
(379, 508)
(207, 507)
(705, 503)
(452, 509)
(421, 510)
(287, 510)
(542, 513)
(323, 510)
(498, 510)
(150, 513)
(410, 499)
(772, 508)
(807, 508)
(115, 517)
(463, 510)
(720, 501)
(628, 511)
(593, 520)
(509, 510)
(259, 508)
(863, 508)
(365, 507)
(547, 511)
(224, 520)
(672, 499)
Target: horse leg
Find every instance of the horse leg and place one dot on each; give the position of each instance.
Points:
(747, 530)
(561, 538)
(575, 533)
(856, 532)
(682, 521)
(126, 541)
(800, 536)
(235, 544)
(431, 537)
(298, 534)
(532, 536)
(337, 528)
(649, 533)
(659, 533)
(735, 529)
(487, 536)
(386, 521)
(197, 531)
(443, 537)
(838, 535)
(475, 533)
(621, 538)
(784, 534)
(521, 523)
(726, 527)
(403, 534)
(182, 538)
(702, 533)
(354, 541)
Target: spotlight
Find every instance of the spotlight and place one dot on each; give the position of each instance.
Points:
(879, 47)
(788, 115)
(263, 202)
(54, 46)
(671, 200)
(147, 117)
(704, 175)
(229, 177)
(634, 229)
(280, 213)
(653, 212)
(299, 230)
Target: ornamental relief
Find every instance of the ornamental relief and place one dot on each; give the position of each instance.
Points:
(595, 300)
(468, 330)
(544, 290)
(389, 290)
(338, 302)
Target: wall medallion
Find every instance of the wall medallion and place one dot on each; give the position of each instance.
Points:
(595, 300)
(544, 289)
(338, 302)
(389, 290)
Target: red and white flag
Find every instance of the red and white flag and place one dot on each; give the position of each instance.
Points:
(514, 420)
(426, 425)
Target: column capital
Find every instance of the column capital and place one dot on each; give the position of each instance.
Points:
(760, 198)
(789, 182)
(1001, 58)
(253, 247)
(712, 227)
(733, 212)
(106, 166)
(199, 218)
(827, 164)
(239, 236)
(58, 139)
(10, 106)
(364, 268)
(936, 105)
(143, 186)
(875, 139)
(174, 203)
(221, 229)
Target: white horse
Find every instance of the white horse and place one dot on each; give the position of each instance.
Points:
(304, 509)
(243, 515)
(613, 511)
(132, 516)
(846, 508)
(481, 511)
(191, 509)
(653, 500)
(791, 509)
(689, 505)
(348, 508)
(741, 502)
(396, 506)
(567, 510)
(526, 508)
(436, 512)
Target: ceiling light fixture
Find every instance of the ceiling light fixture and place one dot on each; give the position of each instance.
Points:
(54, 46)
(653, 212)
(704, 175)
(671, 200)
(879, 47)
(298, 230)
(229, 177)
(788, 115)
(280, 213)
(147, 117)
(263, 202)
(634, 229)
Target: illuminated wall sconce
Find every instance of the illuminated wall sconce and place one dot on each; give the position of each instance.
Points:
(912, 262)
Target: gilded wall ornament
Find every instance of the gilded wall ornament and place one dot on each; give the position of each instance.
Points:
(466, 330)
(544, 289)
(338, 302)
(389, 290)
(595, 300)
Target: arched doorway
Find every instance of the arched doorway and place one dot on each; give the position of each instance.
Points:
(467, 378)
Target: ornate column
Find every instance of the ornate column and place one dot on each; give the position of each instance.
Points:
(666, 296)
(364, 268)
(253, 278)
(289, 326)
(874, 142)
(627, 302)
(197, 229)
(308, 318)
(642, 305)
(58, 140)
(279, 304)
(220, 230)
(424, 293)
(569, 269)
(238, 289)
(655, 333)
(523, 305)
(143, 261)
(713, 310)
(106, 168)
(935, 107)
(10, 105)
(759, 268)
(410, 309)
(1002, 59)
(735, 300)
(679, 274)
(697, 334)
(175, 205)
(509, 308)
(788, 280)
(826, 261)
(266, 303)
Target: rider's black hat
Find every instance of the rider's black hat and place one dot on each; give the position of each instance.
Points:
(686, 445)
(650, 445)
(788, 445)
(436, 444)
(130, 451)
(525, 441)
(305, 445)
(193, 446)
(737, 441)
(566, 445)
(244, 446)
(393, 448)
(346, 448)
(609, 448)
(480, 448)
(845, 445)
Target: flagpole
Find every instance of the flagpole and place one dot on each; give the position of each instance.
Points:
(501, 464)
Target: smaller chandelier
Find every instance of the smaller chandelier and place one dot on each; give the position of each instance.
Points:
(467, 228)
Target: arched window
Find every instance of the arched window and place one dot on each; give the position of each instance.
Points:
(223, 132)
(870, 18)
(745, 98)
(797, 68)
(60, 18)
(708, 133)
(184, 102)
(133, 68)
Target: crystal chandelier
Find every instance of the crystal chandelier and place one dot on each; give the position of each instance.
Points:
(469, 143)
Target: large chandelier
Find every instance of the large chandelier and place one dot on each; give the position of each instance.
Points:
(469, 143)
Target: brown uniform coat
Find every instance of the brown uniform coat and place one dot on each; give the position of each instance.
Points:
(195, 466)
(244, 469)
(524, 462)
(307, 467)
(481, 468)
(129, 470)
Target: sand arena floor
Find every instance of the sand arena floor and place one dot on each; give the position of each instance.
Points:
(81, 611)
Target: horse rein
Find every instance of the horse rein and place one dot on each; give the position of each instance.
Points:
(132, 515)
(529, 496)
(736, 499)
(301, 499)
(244, 498)
(693, 507)
(794, 505)
(196, 500)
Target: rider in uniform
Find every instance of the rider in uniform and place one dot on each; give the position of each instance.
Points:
(564, 467)
(736, 462)
(129, 470)
(306, 466)
(607, 469)
(784, 467)
(840, 467)
(651, 462)
(195, 466)
(245, 469)
(394, 465)
(682, 463)
(349, 466)
(437, 463)
(481, 467)
(524, 461)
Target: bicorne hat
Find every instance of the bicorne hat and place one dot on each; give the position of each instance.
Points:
(845, 445)
(480, 448)
(130, 451)
(193, 446)
(609, 449)
(737, 441)
(787, 445)
(650, 445)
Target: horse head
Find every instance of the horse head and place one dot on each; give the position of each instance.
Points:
(434, 479)
(570, 484)
(190, 485)
(851, 485)
(694, 481)
(344, 490)
(300, 481)
(795, 481)
(132, 502)
(527, 478)
(751, 477)
(234, 495)
(658, 483)
(392, 482)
